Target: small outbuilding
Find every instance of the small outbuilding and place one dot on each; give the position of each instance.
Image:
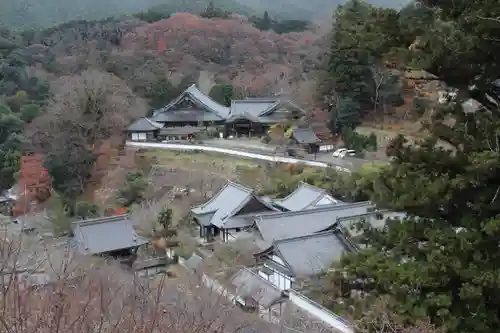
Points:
(107, 236)
(144, 129)
(306, 138)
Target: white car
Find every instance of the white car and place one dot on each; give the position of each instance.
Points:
(347, 152)
(338, 152)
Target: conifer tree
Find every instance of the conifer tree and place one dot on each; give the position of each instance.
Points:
(442, 261)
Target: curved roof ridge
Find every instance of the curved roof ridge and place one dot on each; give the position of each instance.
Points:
(154, 123)
(211, 199)
(227, 184)
(313, 235)
(200, 97)
(316, 209)
(244, 115)
(302, 184)
(312, 187)
(240, 186)
(270, 108)
(255, 100)
(194, 89)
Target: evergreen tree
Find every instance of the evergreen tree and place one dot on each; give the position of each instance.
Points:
(211, 8)
(442, 261)
(222, 93)
(360, 35)
(266, 23)
(345, 115)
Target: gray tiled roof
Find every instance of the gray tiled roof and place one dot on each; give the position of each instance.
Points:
(300, 320)
(279, 226)
(305, 135)
(231, 198)
(305, 195)
(249, 284)
(255, 109)
(144, 125)
(252, 107)
(471, 106)
(185, 130)
(204, 218)
(186, 116)
(259, 110)
(194, 93)
(312, 254)
(193, 262)
(106, 234)
(245, 220)
(349, 222)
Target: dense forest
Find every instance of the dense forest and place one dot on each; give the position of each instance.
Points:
(441, 263)
(25, 14)
(107, 76)
(373, 48)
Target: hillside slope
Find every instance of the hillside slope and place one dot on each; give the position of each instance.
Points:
(315, 10)
(24, 14)
(28, 14)
(232, 49)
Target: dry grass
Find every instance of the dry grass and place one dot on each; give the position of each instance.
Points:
(203, 172)
(171, 158)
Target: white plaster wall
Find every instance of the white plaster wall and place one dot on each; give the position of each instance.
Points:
(320, 312)
(279, 159)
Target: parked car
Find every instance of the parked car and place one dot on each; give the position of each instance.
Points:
(338, 152)
(347, 152)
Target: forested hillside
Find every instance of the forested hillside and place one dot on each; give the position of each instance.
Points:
(121, 68)
(26, 14)
(390, 64)
(315, 10)
(440, 265)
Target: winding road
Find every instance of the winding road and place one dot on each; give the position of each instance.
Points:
(244, 154)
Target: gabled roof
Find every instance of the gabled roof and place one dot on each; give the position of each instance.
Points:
(348, 223)
(195, 94)
(311, 254)
(221, 208)
(304, 196)
(305, 135)
(106, 234)
(258, 109)
(144, 125)
(185, 130)
(249, 284)
(253, 107)
(193, 262)
(274, 227)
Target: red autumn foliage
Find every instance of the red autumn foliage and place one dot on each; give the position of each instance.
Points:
(34, 183)
(232, 49)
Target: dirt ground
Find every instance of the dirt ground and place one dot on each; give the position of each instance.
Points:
(180, 179)
(192, 178)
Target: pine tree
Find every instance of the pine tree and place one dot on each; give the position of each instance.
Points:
(266, 22)
(443, 261)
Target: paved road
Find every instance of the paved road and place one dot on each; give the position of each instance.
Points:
(255, 146)
(228, 151)
(322, 160)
